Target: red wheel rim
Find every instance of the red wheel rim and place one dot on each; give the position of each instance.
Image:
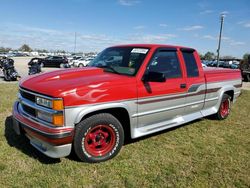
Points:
(100, 140)
(224, 110)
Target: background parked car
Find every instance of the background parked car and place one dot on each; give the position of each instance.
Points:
(82, 62)
(54, 61)
(72, 59)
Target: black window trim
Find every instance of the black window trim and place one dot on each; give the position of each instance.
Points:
(190, 50)
(162, 49)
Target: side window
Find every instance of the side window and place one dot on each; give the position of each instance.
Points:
(191, 65)
(167, 63)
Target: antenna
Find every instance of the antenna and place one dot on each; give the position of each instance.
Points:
(75, 44)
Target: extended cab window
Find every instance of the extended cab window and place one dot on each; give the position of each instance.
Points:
(166, 62)
(191, 65)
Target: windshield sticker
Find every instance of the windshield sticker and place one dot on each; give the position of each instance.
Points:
(139, 50)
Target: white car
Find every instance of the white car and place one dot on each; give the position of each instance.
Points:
(72, 59)
(203, 65)
(82, 62)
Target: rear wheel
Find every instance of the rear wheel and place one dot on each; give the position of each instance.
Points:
(98, 138)
(224, 109)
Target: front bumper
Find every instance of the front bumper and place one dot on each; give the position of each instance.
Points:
(53, 142)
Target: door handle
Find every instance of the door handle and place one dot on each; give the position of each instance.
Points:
(183, 85)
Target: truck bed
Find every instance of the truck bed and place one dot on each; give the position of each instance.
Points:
(213, 74)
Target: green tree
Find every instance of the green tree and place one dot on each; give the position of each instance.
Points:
(3, 50)
(245, 57)
(25, 48)
(201, 56)
(209, 56)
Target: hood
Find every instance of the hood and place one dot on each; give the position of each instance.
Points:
(64, 82)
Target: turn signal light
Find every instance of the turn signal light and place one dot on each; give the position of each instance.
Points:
(57, 104)
(58, 119)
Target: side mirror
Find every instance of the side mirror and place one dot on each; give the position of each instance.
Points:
(154, 77)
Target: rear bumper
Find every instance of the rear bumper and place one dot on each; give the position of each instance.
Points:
(53, 142)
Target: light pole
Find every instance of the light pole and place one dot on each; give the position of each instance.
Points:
(221, 26)
(75, 44)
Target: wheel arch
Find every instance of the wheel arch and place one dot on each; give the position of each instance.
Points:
(229, 90)
(231, 94)
(119, 112)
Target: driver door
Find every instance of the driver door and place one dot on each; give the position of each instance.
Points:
(161, 103)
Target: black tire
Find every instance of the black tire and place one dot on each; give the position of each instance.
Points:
(248, 77)
(98, 138)
(225, 107)
(80, 65)
(6, 76)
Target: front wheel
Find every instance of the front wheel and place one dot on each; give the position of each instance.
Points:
(98, 138)
(225, 107)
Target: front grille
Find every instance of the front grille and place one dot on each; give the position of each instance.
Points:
(29, 110)
(28, 96)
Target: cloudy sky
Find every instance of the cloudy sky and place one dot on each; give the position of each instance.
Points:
(52, 24)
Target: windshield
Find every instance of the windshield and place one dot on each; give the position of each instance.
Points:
(120, 60)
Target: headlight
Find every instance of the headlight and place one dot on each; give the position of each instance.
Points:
(45, 116)
(56, 104)
(55, 119)
(44, 102)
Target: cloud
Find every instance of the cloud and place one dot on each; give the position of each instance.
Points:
(203, 4)
(224, 13)
(228, 40)
(239, 43)
(247, 25)
(192, 28)
(150, 38)
(14, 35)
(128, 2)
(207, 12)
(140, 27)
(244, 23)
(163, 25)
(210, 37)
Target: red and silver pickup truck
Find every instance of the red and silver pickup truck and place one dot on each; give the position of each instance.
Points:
(127, 91)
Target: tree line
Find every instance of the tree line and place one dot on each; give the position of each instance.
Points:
(27, 48)
(207, 56)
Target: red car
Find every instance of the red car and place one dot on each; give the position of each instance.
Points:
(126, 91)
